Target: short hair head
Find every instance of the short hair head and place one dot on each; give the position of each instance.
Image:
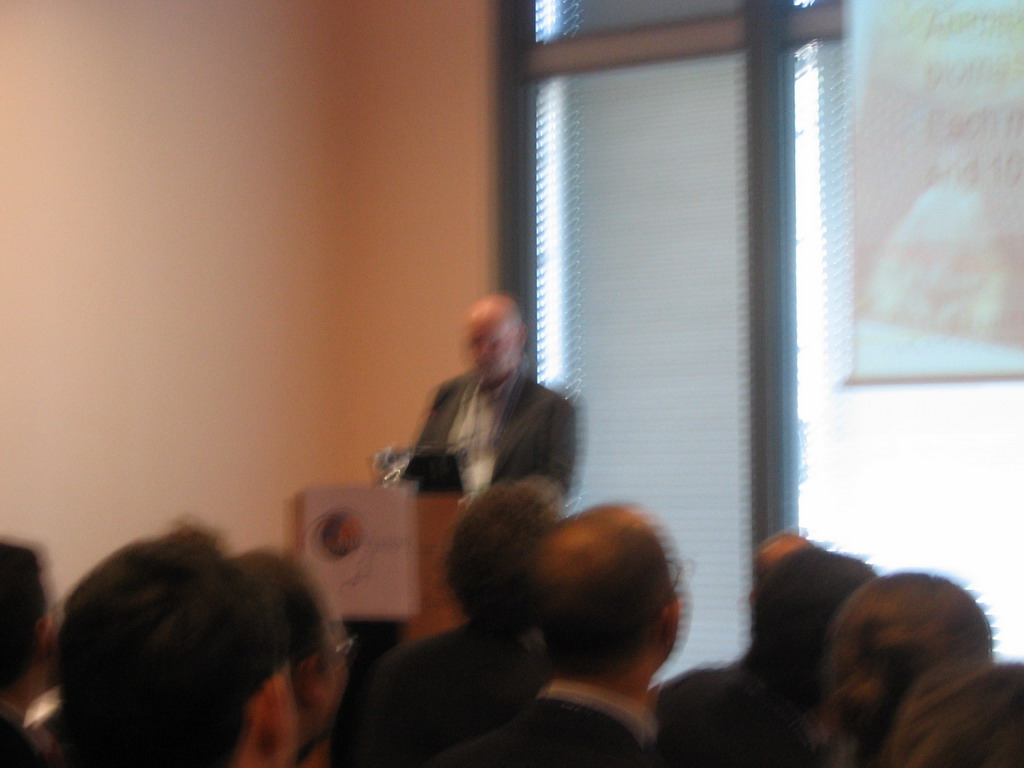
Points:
(961, 718)
(496, 337)
(22, 605)
(163, 644)
(493, 550)
(893, 630)
(793, 608)
(301, 607)
(318, 673)
(603, 580)
(773, 551)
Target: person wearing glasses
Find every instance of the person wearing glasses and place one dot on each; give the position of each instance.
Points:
(318, 651)
(171, 655)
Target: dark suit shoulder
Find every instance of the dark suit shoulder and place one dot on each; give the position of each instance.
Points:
(450, 387)
(725, 718)
(696, 687)
(534, 392)
(462, 652)
(552, 734)
(428, 695)
(441, 413)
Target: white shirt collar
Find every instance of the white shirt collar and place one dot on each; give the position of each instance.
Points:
(637, 718)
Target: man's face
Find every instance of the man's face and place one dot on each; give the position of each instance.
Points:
(319, 682)
(496, 347)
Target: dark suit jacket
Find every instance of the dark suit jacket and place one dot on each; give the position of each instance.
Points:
(431, 694)
(539, 437)
(553, 734)
(725, 718)
(15, 749)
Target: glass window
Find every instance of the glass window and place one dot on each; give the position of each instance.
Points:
(919, 476)
(642, 252)
(568, 18)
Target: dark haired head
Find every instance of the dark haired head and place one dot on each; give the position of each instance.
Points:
(22, 605)
(773, 551)
(891, 631)
(162, 646)
(794, 605)
(305, 619)
(603, 581)
(492, 553)
(961, 718)
(318, 673)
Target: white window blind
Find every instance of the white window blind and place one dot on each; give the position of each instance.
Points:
(642, 289)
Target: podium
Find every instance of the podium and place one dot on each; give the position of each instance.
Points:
(378, 554)
(436, 516)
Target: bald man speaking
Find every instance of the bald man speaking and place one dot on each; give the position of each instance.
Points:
(496, 418)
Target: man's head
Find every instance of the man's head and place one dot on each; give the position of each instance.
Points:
(493, 551)
(171, 656)
(793, 608)
(773, 551)
(496, 336)
(607, 600)
(25, 631)
(319, 670)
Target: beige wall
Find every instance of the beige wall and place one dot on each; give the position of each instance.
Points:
(235, 242)
(421, 209)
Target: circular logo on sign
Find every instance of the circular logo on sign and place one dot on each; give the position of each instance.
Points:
(339, 533)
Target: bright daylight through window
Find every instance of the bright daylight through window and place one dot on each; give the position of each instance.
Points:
(920, 476)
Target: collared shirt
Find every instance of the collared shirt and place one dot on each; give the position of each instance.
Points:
(638, 719)
(477, 427)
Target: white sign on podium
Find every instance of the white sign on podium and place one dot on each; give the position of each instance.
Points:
(359, 544)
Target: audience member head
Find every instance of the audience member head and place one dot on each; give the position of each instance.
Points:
(773, 551)
(607, 596)
(319, 670)
(891, 631)
(793, 609)
(26, 633)
(171, 656)
(959, 718)
(496, 336)
(493, 550)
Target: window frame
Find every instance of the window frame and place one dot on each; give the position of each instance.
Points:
(765, 32)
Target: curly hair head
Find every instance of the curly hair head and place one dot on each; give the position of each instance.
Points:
(893, 630)
(492, 552)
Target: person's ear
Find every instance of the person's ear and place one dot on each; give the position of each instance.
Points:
(521, 334)
(44, 652)
(269, 737)
(668, 626)
(45, 638)
(308, 682)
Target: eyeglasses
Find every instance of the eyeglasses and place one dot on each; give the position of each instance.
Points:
(344, 647)
(347, 649)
